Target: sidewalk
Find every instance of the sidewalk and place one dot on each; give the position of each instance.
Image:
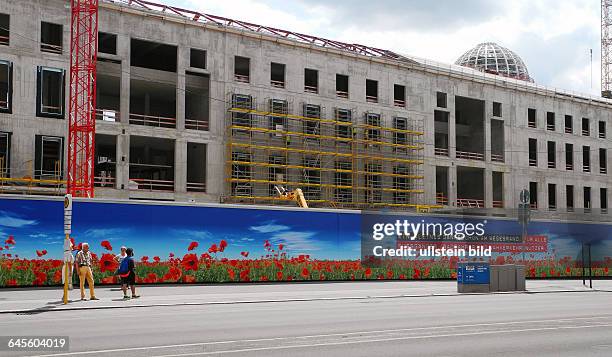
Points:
(49, 299)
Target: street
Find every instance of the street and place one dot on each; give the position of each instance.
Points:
(540, 324)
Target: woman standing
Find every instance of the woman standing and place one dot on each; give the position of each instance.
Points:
(128, 274)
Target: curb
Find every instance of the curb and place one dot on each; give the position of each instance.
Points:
(263, 301)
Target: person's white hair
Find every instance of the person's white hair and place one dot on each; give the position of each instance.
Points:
(123, 247)
(84, 244)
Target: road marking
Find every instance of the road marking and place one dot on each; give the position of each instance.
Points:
(605, 316)
(380, 340)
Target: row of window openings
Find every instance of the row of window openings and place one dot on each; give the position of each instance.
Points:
(278, 106)
(569, 124)
(569, 157)
(442, 102)
(569, 196)
(242, 73)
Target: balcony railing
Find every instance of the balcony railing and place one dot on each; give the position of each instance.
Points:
(552, 164)
(341, 94)
(568, 130)
(399, 103)
(105, 181)
(602, 135)
(371, 99)
(150, 185)
(533, 162)
(441, 151)
(3, 104)
(152, 120)
(311, 89)
(533, 205)
(498, 204)
(196, 187)
(586, 132)
(469, 155)
(552, 207)
(196, 124)
(497, 157)
(550, 127)
(441, 199)
(603, 170)
(470, 203)
(47, 47)
(586, 168)
(531, 124)
(108, 115)
(277, 84)
(569, 167)
(241, 78)
(4, 40)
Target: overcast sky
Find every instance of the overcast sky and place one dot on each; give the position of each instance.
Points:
(552, 36)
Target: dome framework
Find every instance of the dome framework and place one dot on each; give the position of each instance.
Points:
(492, 58)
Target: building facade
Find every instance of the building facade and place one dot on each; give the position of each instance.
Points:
(193, 110)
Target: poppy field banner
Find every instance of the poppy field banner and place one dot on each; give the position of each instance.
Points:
(217, 243)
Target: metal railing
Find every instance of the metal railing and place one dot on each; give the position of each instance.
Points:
(241, 78)
(470, 203)
(4, 40)
(586, 168)
(108, 115)
(533, 205)
(586, 132)
(550, 127)
(277, 84)
(603, 170)
(196, 187)
(497, 157)
(311, 89)
(552, 164)
(532, 124)
(196, 124)
(569, 167)
(104, 181)
(552, 207)
(50, 109)
(469, 155)
(399, 103)
(3, 104)
(533, 162)
(568, 130)
(498, 204)
(441, 199)
(441, 151)
(342, 94)
(47, 47)
(152, 120)
(150, 185)
(602, 135)
(371, 99)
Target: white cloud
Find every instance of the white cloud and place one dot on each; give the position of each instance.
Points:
(192, 234)
(297, 241)
(38, 235)
(9, 220)
(104, 233)
(269, 227)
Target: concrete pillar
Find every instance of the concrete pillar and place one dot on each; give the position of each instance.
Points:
(452, 185)
(123, 161)
(488, 113)
(180, 166)
(215, 164)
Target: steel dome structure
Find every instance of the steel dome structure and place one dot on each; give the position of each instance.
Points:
(492, 58)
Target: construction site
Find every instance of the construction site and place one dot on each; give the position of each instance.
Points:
(179, 105)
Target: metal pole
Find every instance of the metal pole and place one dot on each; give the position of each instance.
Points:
(590, 267)
(583, 271)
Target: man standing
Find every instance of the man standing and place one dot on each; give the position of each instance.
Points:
(68, 260)
(119, 257)
(83, 261)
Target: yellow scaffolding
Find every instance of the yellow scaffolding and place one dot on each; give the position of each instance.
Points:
(351, 160)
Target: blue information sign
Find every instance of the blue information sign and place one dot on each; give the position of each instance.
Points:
(473, 273)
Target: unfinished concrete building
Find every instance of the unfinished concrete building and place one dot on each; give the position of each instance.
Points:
(194, 107)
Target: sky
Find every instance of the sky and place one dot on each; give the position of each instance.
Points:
(553, 37)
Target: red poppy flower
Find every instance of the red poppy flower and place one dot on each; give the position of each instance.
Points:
(454, 275)
(39, 253)
(150, 278)
(279, 275)
(222, 245)
(109, 280)
(79, 246)
(245, 254)
(205, 256)
(40, 278)
(305, 273)
(8, 255)
(568, 270)
(231, 273)
(56, 263)
(193, 245)
(10, 240)
(171, 255)
(57, 276)
(144, 259)
(606, 270)
(267, 244)
(190, 262)
(389, 274)
(156, 259)
(213, 248)
(173, 274)
(289, 278)
(11, 282)
(106, 245)
(189, 279)
(281, 246)
(108, 263)
(402, 276)
(244, 275)
(1, 248)
(368, 273)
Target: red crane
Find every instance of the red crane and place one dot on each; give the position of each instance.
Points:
(82, 111)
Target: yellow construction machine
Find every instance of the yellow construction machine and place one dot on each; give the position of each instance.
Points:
(295, 195)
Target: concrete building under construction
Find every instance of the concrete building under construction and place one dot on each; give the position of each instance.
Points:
(195, 107)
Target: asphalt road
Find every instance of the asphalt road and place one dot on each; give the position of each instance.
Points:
(547, 324)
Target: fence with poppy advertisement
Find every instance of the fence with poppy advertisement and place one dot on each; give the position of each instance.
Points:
(176, 243)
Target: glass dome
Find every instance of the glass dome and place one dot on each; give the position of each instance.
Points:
(492, 58)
